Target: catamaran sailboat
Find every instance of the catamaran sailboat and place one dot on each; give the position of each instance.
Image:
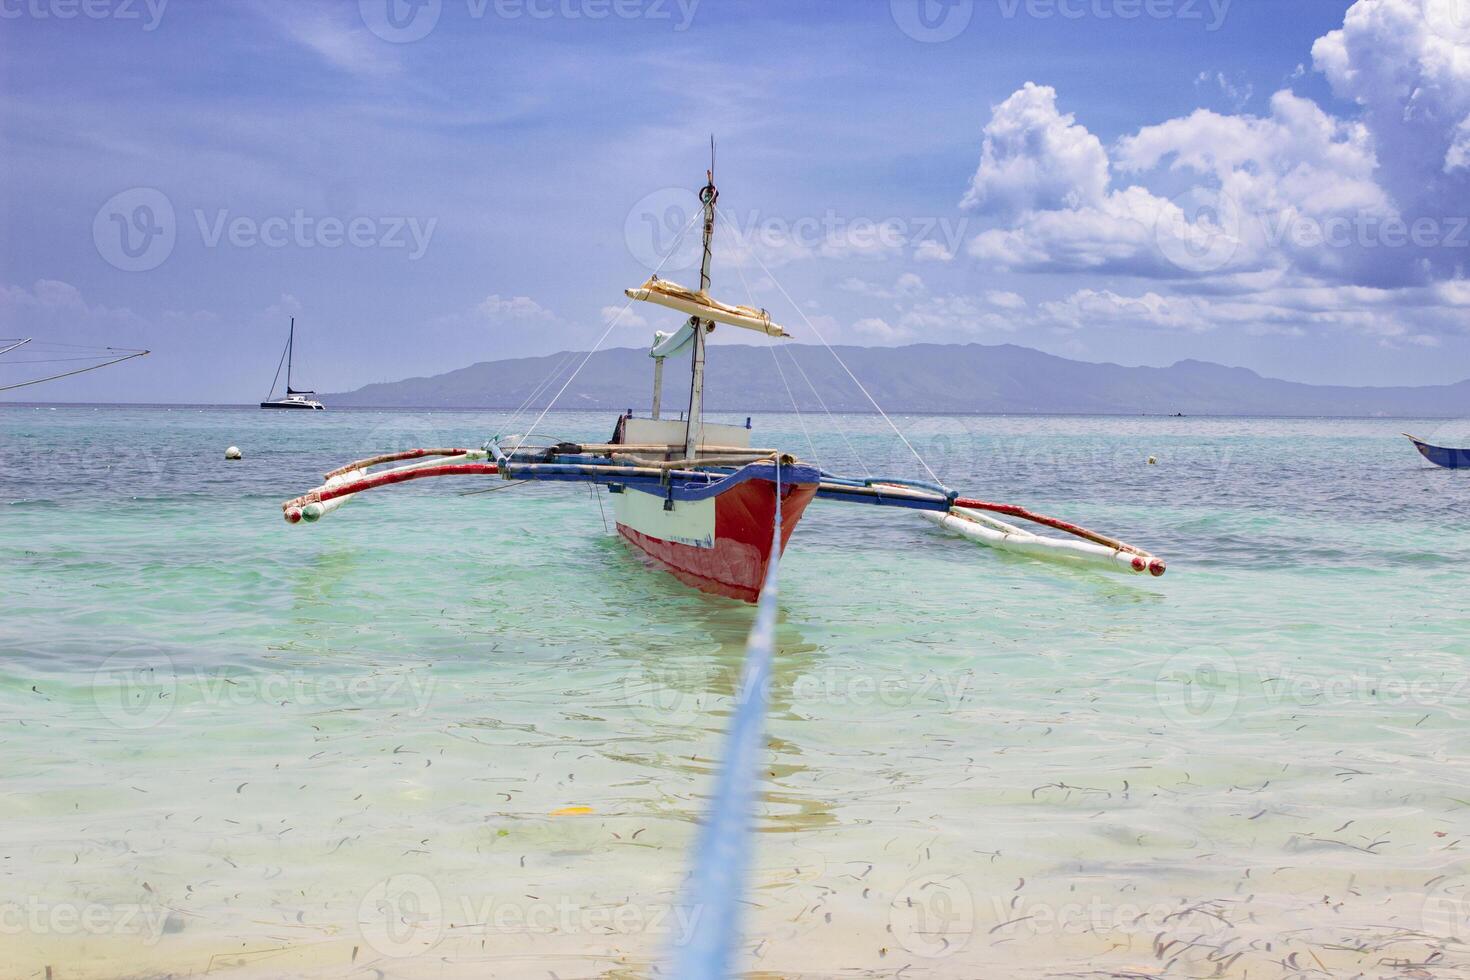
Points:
(696, 498)
(294, 399)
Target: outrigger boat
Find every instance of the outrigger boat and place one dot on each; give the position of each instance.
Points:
(1450, 459)
(696, 498)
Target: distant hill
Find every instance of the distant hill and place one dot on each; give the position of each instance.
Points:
(919, 378)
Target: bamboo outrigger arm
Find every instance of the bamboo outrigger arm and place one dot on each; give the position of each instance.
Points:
(614, 464)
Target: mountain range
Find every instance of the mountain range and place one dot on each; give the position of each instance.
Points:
(948, 378)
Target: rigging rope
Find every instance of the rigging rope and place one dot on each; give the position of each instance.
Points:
(716, 891)
(861, 462)
(601, 339)
(279, 364)
(68, 374)
(545, 383)
(771, 343)
(811, 326)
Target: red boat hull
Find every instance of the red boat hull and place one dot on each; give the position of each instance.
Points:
(731, 558)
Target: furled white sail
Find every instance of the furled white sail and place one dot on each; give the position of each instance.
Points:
(703, 306)
(669, 344)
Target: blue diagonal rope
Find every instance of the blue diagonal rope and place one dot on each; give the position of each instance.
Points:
(716, 891)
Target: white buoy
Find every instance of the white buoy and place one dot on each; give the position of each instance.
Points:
(1153, 461)
(234, 453)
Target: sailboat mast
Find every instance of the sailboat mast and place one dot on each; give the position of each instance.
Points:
(290, 343)
(694, 432)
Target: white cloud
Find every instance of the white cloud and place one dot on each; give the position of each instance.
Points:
(624, 316)
(879, 329)
(1287, 306)
(909, 285)
(1103, 309)
(495, 306)
(1005, 300)
(1407, 63)
(338, 38)
(930, 250)
(1237, 94)
(1035, 158)
(1312, 207)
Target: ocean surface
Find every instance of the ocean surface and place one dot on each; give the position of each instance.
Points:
(439, 735)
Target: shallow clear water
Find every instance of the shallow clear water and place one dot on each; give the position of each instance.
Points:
(236, 746)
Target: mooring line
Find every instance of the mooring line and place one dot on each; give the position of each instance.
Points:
(716, 893)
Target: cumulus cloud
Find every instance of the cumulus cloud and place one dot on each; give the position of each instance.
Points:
(1005, 300)
(1036, 158)
(1331, 206)
(877, 328)
(1407, 63)
(931, 251)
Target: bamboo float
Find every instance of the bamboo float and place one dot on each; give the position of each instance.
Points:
(1094, 549)
(349, 481)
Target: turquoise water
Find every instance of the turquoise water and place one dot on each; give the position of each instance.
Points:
(442, 735)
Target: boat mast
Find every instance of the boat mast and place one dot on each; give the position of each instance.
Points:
(694, 432)
(658, 385)
(290, 342)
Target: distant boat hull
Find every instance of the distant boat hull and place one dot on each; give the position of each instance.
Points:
(718, 543)
(1450, 459)
(299, 406)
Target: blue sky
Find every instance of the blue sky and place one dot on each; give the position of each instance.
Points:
(1135, 181)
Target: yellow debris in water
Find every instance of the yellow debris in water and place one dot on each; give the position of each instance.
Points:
(571, 811)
